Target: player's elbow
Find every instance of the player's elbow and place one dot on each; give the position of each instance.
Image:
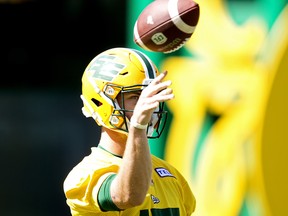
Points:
(136, 200)
(130, 201)
(129, 195)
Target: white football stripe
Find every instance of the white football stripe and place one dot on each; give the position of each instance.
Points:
(174, 14)
(136, 34)
(137, 37)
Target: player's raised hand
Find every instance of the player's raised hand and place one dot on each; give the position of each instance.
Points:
(157, 91)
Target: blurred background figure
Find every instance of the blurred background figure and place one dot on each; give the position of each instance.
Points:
(228, 127)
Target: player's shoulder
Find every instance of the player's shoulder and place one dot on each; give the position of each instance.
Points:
(159, 164)
(91, 168)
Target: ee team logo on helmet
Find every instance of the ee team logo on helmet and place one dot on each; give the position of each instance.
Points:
(105, 67)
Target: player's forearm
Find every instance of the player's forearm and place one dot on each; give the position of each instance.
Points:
(134, 176)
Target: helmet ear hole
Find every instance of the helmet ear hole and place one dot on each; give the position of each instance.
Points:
(96, 102)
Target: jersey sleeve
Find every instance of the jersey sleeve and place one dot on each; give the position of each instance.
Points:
(82, 185)
(188, 198)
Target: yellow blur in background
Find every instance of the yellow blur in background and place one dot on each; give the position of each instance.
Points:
(228, 132)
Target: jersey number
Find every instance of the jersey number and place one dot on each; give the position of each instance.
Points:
(161, 212)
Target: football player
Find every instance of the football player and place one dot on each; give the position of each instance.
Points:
(124, 92)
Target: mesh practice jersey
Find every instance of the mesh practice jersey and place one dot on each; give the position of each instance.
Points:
(169, 193)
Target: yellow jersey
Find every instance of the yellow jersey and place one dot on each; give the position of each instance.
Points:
(169, 193)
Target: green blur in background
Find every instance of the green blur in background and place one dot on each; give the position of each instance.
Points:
(227, 131)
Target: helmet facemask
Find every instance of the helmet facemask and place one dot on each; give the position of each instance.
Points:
(119, 118)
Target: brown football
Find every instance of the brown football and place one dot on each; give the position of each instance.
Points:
(166, 25)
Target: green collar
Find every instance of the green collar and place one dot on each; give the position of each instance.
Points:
(99, 146)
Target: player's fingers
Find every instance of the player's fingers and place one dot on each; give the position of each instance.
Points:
(166, 94)
(153, 102)
(159, 78)
(154, 89)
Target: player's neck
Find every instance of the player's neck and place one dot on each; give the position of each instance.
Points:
(113, 142)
